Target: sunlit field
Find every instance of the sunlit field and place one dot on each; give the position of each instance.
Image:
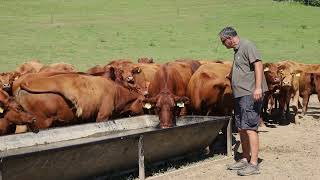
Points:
(86, 33)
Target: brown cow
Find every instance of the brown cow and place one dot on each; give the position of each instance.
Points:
(274, 80)
(29, 67)
(292, 72)
(49, 109)
(146, 60)
(202, 62)
(210, 90)
(12, 114)
(58, 67)
(289, 89)
(93, 97)
(167, 91)
(310, 85)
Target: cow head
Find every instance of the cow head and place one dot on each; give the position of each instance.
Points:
(167, 106)
(289, 77)
(6, 80)
(13, 113)
(126, 67)
(272, 75)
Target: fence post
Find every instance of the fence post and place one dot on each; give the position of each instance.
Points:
(141, 158)
(229, 138)
(1, 168)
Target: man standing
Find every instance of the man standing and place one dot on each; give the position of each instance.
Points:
(248, 86)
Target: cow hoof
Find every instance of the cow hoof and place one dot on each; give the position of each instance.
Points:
(21, 129)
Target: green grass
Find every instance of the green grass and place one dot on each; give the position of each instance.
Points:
(86, 33)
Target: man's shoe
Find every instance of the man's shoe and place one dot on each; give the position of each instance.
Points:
(238, 165)
(250, 169)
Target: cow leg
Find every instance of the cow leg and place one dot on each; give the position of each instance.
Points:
(183, 111)
(282, 107)
(305, 103)
(44, 123)
(295, 101)
(4, 126)
(105, 111)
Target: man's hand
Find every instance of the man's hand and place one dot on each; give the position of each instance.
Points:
(257, 94)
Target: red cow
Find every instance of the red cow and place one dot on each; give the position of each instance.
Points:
(167, 91)
(93, 97)
(310, 84)
(29, 67)
(145, 60)
(210, 90)
(58, 67)
(12, 114)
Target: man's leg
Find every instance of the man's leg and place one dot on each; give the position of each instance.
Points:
(244, 138)
(254, 146)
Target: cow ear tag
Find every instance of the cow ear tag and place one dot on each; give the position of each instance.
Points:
(1, 110)
(180, 104)
(266, 69)
(298, 75)
(147, 106)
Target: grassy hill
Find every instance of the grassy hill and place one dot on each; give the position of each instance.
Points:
(86, 33)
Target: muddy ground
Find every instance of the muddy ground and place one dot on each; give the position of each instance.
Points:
(289, 151)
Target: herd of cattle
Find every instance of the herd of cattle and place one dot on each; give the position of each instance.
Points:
(37, 96)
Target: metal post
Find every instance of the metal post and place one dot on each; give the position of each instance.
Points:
(1, 169)
(229, 138)
(141, 158)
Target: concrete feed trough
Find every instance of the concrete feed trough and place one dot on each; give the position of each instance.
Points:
(88, 150)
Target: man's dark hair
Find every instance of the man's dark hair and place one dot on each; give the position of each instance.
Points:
(228, 32)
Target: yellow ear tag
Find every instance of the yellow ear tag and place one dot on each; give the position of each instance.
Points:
(1, 110)
(298, 75)
(180, 104)
(266, 69)
(147, 106)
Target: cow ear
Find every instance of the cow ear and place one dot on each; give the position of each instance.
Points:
(297, 73)
(281, 67)
(136, 70)
(181, 101)
(148, 103)
(110, 73)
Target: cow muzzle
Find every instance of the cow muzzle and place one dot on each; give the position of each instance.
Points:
(130, 79)
(6, 87)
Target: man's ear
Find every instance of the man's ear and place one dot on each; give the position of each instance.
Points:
(136, 70)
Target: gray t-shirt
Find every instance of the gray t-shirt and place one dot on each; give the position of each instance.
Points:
(243, 75)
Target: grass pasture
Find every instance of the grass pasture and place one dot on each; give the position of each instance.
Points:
(86, 33)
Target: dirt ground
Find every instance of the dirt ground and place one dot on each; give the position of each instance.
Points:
(286, 152)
